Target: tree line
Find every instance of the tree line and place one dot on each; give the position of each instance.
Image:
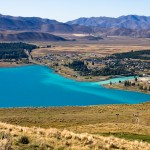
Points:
(15, 50)
(143, 54)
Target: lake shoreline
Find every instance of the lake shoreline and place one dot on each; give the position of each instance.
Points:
(9, 65)
(12, 65)
(100, 80)
(103, 78)
(124, 89)
(77, 106)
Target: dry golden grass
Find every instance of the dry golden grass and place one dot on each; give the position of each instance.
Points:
(93, 119)
(62, 117)
(104, 47)
(112, 128)
(3, 144)
(88, 48)
(51, 138)
(73, 122)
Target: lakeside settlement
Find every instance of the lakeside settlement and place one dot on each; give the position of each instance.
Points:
(85, 66)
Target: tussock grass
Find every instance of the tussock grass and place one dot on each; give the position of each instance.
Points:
(63, 139)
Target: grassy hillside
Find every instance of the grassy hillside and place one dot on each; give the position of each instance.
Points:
(62, 117)
(124, 121)
(21, 138)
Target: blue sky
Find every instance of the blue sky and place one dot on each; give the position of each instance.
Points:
(64, 10)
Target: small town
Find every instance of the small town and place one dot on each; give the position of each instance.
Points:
(90, 67)
(122, 67)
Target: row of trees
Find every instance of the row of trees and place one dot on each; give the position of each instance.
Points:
(145, 88)
(141, 87)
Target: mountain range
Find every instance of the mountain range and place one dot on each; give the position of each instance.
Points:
(37, 24)
(128, 22)
(39, 29)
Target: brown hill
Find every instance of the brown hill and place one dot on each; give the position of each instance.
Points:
(122, 32)
(38, 25)
(30, 36)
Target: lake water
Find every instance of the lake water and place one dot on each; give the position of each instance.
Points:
(35, 86)
(114, 80)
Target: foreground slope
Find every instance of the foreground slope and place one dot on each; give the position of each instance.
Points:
(19, 138)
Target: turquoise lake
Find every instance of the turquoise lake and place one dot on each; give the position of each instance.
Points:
(39, 86)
